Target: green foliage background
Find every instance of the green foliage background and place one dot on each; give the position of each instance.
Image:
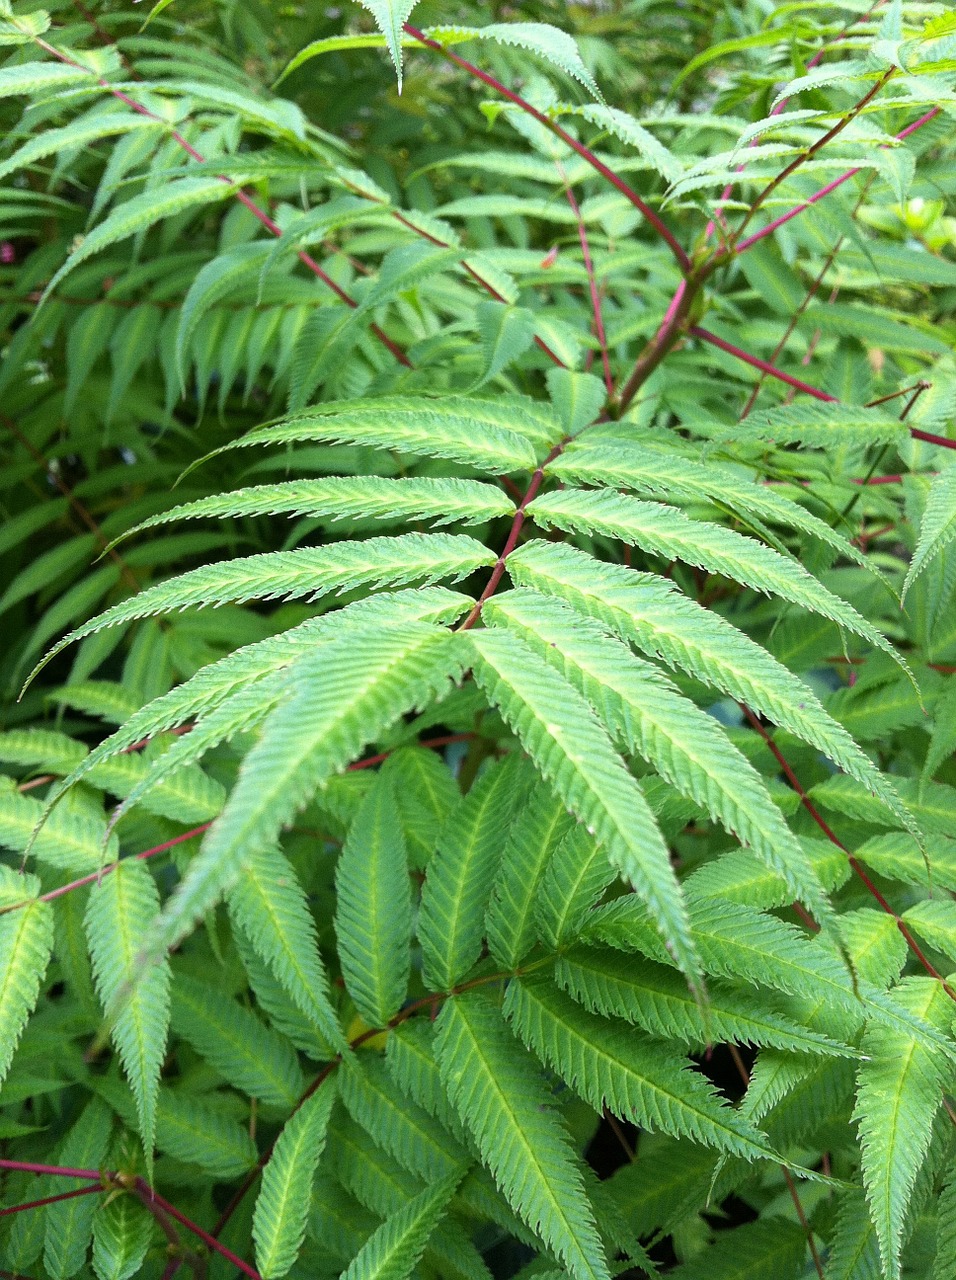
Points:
(478, 513)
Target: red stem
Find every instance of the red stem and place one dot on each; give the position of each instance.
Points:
(64, 1195)
(584, 152)
(259, 214)
(856, 865)
(512, 540)
(148, 1195)
(58, 1170)
(763, 365)
(592, 284)
(831, 186)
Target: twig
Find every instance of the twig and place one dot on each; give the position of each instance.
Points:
(584, 152)
(592, 282)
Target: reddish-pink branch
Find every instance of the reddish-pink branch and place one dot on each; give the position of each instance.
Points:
(57, 1170)
(584, 152)
(763, 365)
(64, 1195)
(817, 196)
(259, 214)
(148, 1196)
(592, 285)
(855, 864)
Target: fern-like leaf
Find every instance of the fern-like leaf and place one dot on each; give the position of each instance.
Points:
(373, 914)
(236, 1043)
(312, 572)
(122, 909)
(346, 693)
(443, 501)
(270, 906)
(458, 429)
(393, 1251)
(536, 831)
(460, 875)
(646, 714)
(640, 1080)
(282, 1207)
(647, 611)
(572, 750)
(657, 999)
(938, 526)
(26, 941)
(667, 532)
(122, 1234)
(505, 1108)
(900, 1091)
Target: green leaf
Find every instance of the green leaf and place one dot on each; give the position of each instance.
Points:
(395, 1122)
(946, 1228)
(642, 465)
(435, 428)
(122, 1233)
(394, 1249)
(311, 571)
(282, 1207)
(236, 1043)
(537, 829)
(505, 332)
(390, 16)
(270, 906)
(900, 1091)
(442, 501)
(667, 532)
(772, 1246)
(503, 1104)
(36, 78)
(649, 612)
(373, 911)
(140, 213)
(69, 1224)
(573, 752)
(193, 1129)
(645, 713)
(657, 999)
(938, 526)
(350, 690)
(26, 941)
(639, 1080)
(576, 876)
(460, 875)
(122, 908)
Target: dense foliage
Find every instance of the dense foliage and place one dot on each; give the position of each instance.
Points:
(490, 806)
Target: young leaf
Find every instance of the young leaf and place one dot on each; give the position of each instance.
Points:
(373, 914)
(504, 1106)
(282, 1207)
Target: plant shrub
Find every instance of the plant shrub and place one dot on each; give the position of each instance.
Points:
(488, 807)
